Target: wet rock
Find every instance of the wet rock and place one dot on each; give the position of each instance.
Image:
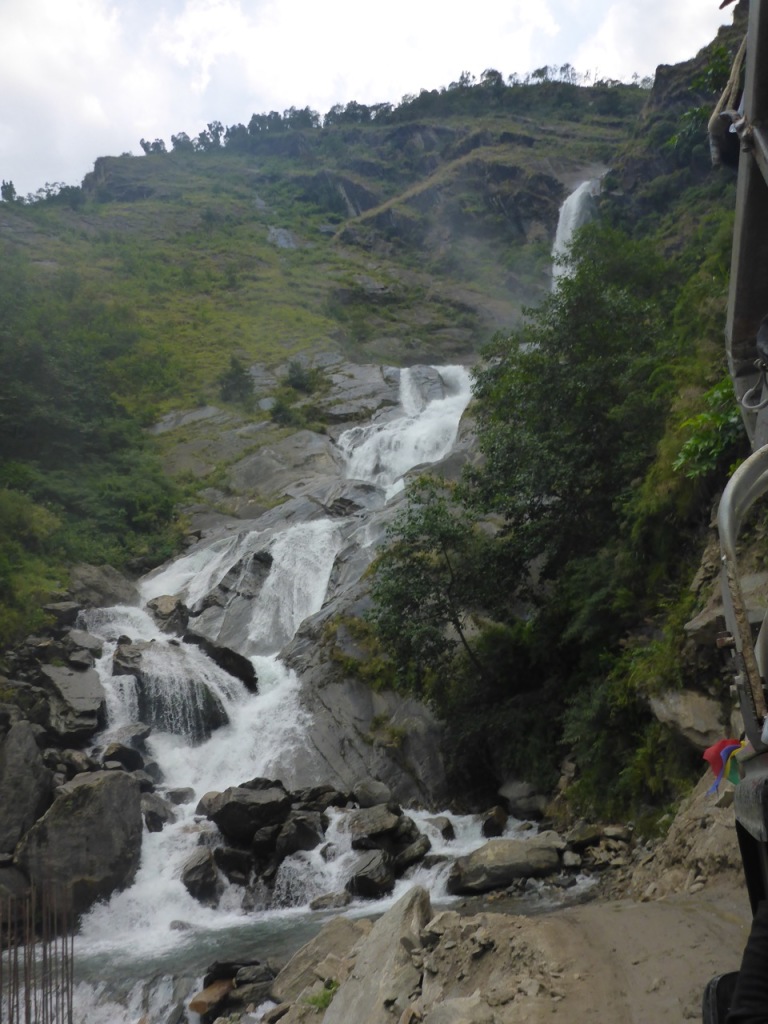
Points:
(494, 822)
(303, 830)
(372, 876)
(157, 813)
(370, 823)
(187, 708)
(236, 864)
(129, 758)
(413, 853)
(239, 812)
(182, 795)
(170, 613)
(235, 664)
(444, 826)
(331, 901)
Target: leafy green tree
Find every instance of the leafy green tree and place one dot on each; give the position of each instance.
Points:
(7, 191)
(426, 585)
(571, 404)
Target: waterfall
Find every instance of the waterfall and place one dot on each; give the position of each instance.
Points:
(577, 210)
(154, 925)
(382, 453)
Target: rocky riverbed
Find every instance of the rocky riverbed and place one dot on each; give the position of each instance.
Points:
(658, 927)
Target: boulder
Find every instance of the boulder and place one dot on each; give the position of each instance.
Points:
(370, 792)
(384, 978)
(372, 876)
(77, 703)
(494, 822)
(695, 717)
(499, 862)
(240, 812)
(157, 813)
(88, 843)
(444, 826)
(201, 879)
(303, 830)
(101, 586)
(236, 864)
(522, 800)
(170, 613)
(412, 853)
(129, 758)
(25, 784)
(370, 822)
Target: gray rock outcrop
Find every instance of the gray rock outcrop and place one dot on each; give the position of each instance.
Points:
(101, 586)
(384, 978)
(694, 716)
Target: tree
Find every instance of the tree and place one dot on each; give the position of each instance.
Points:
(426, 584)
(572, 403)
(235, 384)
(8, 192)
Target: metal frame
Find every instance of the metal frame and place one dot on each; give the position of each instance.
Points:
(748, 295)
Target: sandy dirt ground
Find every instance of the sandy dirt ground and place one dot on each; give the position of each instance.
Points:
(641, 963)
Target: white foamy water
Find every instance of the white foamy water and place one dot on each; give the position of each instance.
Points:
(577, 210)
(382, 453)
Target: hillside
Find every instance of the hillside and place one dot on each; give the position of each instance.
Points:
(204, 292)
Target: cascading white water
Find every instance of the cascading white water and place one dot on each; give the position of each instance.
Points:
(382, 453)
(156, 917)
(577, 210)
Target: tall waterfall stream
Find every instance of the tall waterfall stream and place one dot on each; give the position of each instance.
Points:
(135, 953)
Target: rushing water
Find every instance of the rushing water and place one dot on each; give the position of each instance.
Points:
(577, 210)
(155, 927)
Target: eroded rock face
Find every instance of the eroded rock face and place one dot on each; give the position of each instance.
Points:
(88, 843)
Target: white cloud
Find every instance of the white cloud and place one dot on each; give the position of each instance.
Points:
(84, 78)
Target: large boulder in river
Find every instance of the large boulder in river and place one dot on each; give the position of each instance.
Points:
(499, 862)
(25, 784)
(76, 704)
(240, 812)
(88, 843)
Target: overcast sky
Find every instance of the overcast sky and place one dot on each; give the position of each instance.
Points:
(81, 79)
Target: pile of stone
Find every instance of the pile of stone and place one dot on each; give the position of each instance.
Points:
(261, 823)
